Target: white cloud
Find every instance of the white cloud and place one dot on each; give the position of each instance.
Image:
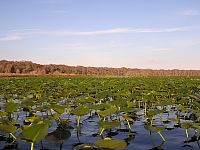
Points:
(112, 31)
(33, 33)
(190, 12)
(25, 30)
(122, 30)
(10, 37)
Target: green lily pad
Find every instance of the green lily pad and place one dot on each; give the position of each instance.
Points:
(11, 107)
(111, 144)
(28, 102)
(35, 133)
(33, 119)
(59, 109)
(186, 125)
(107, 112)
(127, 118)
(154, 112)
(130, 104)
(108, 125)
(155, 129)
(81, 110)
(7, 128)
(120, 103)
(196, 126)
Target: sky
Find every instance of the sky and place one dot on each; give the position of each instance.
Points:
(155, 34)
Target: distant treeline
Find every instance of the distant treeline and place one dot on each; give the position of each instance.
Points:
(28, 67)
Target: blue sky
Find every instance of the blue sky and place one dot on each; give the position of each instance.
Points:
(157, 34)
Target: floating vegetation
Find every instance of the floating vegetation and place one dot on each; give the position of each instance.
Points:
(99, 112)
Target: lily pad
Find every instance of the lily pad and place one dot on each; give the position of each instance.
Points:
(111, 144)
(59, 109)
(11, 107)
(35, 133)
(7, 128)
(81, 110)
(108, 125)
(108, 112)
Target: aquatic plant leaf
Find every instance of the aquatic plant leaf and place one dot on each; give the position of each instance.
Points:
(196, 126)
(155, 129)
(3, 114)
(107, 105)
(82, 146)
(54, 116)
(164, 103)
(7, 128)
(130, 104)
(98, 107)
(35, 133)
(145, 98)
(186, 125)
(89, 99)
(154, 112)
(197, 104)
(181, 108)
(111, 144)
(127, 110)
(59, 109)
(11, 107)
(33, 119)
(194, 97)
(107, 112)
(81, 110)
(108, 125)
(127, 118)
(120, 103)
(28, 102)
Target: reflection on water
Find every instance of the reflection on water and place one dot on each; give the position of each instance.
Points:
(58, 136)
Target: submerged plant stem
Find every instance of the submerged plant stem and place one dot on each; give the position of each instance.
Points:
(32, 146)
(152, 120)
(145, 109)
(101, 132)
(128, 125)
(78, 120)
(13, 136)
(161, 136)
(186, 132)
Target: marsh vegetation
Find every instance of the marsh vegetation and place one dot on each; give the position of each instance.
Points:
(99, 113)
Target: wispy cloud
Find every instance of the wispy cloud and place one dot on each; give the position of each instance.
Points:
(190, 12)
(10, 37)
(119, 30)
(25, 30)
(32, 33)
